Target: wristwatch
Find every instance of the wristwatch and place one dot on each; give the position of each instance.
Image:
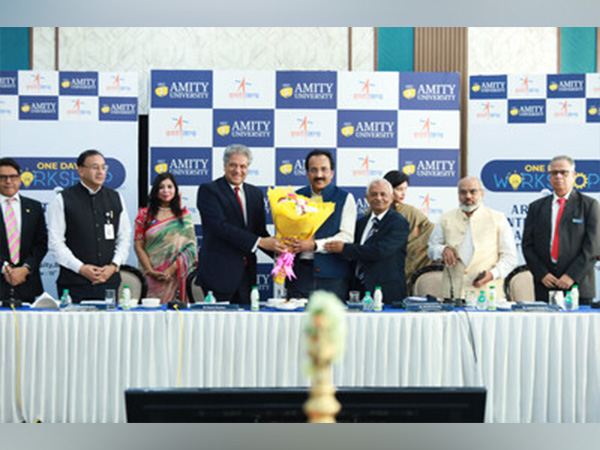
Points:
(116, 265)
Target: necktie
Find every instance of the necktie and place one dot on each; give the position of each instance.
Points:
(12, 233)
(374, 228)
(239, 199)
(561, 207)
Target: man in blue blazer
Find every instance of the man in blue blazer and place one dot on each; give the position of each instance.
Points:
(562, 256)
(233, 228)
(20, 262)
(379, 248)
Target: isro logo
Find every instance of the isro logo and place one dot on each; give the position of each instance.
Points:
(365, 92)
(527, 85)
(179, 130)
(38, 83)
(487, 110)
(304, 129)
(78, 109)
(365, 169)
(118, 84)
(566, 110)
(527, 111)
(243, 90)
(427, 130)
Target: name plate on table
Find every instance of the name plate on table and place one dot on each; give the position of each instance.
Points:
(535, 306)
(428, 307)
(214, 307)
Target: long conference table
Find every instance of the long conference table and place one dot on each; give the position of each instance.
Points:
(75, 366)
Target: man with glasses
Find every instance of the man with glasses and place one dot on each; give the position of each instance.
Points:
(23, 237)
(475, 243)
(561, 239)
(89, 232)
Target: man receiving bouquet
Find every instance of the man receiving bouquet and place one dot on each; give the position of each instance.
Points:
(307, 220)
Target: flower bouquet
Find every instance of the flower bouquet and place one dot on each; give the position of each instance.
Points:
(295, 217)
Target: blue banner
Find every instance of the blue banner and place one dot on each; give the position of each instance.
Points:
(431, 91)
(527, 111)
(253, 127)
(78, 83)
(566, 86)
(367, 129)
(190, 166)
(427, 167)
(37, 107)
(488, 87)
(306, 90)
(182, 89)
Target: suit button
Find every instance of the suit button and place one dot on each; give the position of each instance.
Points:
(317, 269)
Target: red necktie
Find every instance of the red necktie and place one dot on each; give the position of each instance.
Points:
(561, 207)
(237, 194)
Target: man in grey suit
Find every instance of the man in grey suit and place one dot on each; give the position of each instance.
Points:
(564, 255)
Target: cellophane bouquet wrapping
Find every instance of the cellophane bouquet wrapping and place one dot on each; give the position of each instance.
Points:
(295, 217)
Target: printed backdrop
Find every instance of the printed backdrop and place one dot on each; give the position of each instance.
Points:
(48, 118)
(372, 122)
(517, 123)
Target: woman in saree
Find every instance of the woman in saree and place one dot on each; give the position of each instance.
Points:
(165, 241)
(420, 227)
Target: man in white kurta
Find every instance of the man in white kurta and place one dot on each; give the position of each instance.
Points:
(475, 243)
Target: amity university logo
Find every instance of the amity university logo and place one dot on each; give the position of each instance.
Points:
(38, 107)
(182, 89)
(78, 83)
(118, 109)
(191, 166)
(439, 167)
(527, 111)
(367, 129)
(290, 165)
(306, 90)
(593, 110)
(566, 86)
(424, 91)
(9, 83)
(254, 127)
(488, 87)
(533, 175)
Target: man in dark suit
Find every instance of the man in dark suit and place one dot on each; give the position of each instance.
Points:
(233, 227)
(562, 256)
(23, 237)
(379, 247)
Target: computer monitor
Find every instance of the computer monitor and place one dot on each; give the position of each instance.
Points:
(247, 405)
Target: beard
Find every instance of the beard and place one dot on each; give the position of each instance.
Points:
(470, 208)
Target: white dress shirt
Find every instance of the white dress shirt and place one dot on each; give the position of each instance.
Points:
(346, 231)
(245, 209)
(57, 227)
(507, 249)
(369, 226)
(555, 208)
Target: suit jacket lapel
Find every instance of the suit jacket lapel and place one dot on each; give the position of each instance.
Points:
(3, 241)
(546, 219)
(232, 200)
(360, 227)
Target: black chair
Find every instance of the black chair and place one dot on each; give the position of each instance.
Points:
(195, 293)
(132, 277)
(427, 281)
(519, 286)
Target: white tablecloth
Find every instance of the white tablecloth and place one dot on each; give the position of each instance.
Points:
(538, 367)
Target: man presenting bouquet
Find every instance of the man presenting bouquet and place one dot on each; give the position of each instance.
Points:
(315, 267)
(234, 227)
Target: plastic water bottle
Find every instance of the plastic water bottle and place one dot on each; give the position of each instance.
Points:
(575, 296)
(367, 301)
(210, 298)
(569, 301)
(65, 299)
(378, 299)
(491, 306)
(254, 299)
(482, 301)
(126, 297)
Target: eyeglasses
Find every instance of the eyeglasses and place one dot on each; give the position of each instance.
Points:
(564, 173)
(5, 178)
(97, 167)
(470, 191)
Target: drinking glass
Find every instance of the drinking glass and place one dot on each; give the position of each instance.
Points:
(110, 298)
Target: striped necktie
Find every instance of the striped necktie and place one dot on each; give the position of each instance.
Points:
(12, 232)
